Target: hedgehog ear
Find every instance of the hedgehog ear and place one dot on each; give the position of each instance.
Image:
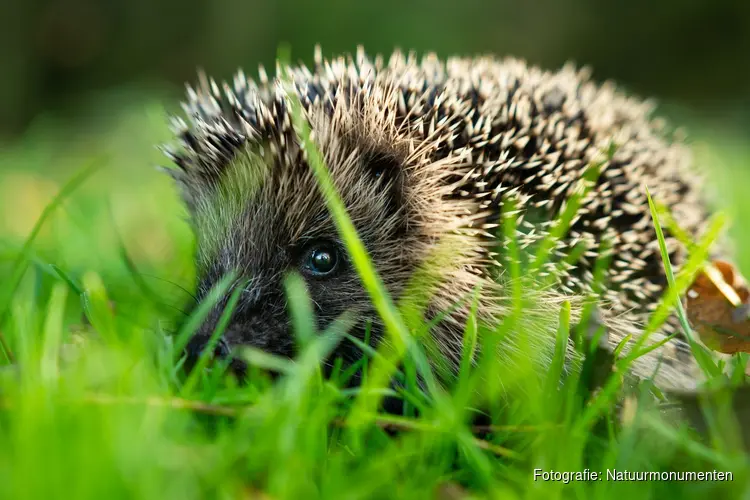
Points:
(386, 170)
(382, 166)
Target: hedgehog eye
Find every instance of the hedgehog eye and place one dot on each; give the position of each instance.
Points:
(321, 259)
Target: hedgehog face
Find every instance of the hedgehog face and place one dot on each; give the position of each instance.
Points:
(265, 217)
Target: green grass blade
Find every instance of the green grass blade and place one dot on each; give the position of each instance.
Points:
(396, 330)
(701, 355)
(208, 351)
(22, 261)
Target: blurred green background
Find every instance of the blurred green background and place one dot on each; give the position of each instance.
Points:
(89, 80)
(695, 52)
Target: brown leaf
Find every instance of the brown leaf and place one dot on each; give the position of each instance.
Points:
(718, 306)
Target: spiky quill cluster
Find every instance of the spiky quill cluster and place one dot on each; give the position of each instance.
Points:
(461, 137)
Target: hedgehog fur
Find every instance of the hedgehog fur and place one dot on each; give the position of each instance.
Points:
(428, 151)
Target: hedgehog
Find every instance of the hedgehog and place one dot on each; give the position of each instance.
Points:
(425, 152)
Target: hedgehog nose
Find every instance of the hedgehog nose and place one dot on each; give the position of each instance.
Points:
(198, 344)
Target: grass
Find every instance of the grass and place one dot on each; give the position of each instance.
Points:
(101, 408)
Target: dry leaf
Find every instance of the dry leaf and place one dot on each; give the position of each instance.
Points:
(718, 307)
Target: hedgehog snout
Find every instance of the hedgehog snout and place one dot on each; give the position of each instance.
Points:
(222, 351)
(198, 344)
(254, 324)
